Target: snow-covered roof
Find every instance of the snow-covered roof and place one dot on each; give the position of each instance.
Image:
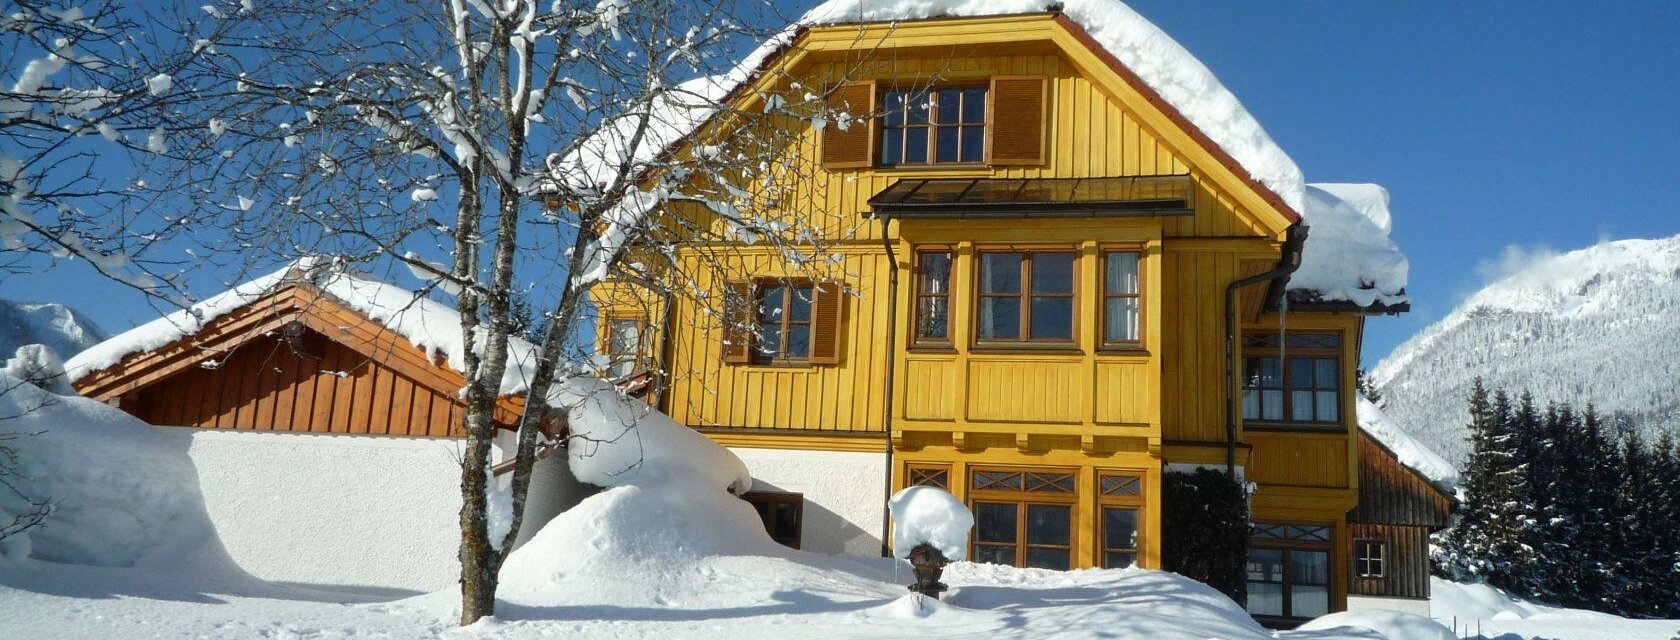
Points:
(1348, 255)
(1407, 449)
(1161, 62)
(432, 326)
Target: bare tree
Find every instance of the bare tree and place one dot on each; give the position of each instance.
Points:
(426, 135)
(102, 98)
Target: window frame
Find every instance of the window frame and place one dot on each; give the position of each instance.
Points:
(1362, 562)
(933, 124)
(788, 286)
(1106, 343)
(916, 339)
(608, 337)
(1023, 499)
(1136, 502)
(1289, 546)
(1024, 297)
(911, 478)
(772, 499)
(1288, 388)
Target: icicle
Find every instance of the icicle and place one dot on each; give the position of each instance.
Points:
(1283, 332)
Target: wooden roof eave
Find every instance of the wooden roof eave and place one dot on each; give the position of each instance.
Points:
(294, 302)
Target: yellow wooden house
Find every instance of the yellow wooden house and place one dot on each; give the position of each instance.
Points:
(1055, 277)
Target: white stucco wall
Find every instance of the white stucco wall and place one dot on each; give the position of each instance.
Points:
(1404, 605)
(342, 510)
(843, 494)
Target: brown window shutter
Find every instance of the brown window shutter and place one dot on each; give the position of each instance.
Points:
(827, 322)
(737, 322)
(853, 147)
(1019, 118)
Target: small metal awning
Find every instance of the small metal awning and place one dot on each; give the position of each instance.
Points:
(1172, 195)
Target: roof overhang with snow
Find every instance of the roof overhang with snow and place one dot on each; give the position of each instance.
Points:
(1265, 186)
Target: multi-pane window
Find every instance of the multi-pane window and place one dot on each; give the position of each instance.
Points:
(1121, 297)
(1025, 296)
(783, 321)
(933, 126)
(938, 476)
(1370, 558)
(624, 346)
(1289, 571)
(1120, 500)
(1303, 386)
(1023, 517)
(782, 514)
(933, 297)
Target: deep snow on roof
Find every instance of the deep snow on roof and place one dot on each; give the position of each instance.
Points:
(432, 326)
(1412, 453)
(1161, 62)
(1348, 255)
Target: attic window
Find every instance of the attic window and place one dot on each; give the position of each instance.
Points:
(946, 125)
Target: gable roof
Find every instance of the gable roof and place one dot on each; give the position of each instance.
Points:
(389, 325)
(428, 325)
(1411, 453)
(1166, 74)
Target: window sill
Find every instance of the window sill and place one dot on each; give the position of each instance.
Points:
(933, 349)
(965, 169)
(1123, 350)
(790, 364)
(1022, 348)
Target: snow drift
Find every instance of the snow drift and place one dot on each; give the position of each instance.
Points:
(121, 493)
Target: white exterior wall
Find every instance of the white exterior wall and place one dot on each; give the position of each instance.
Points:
(843, 493)
(342, 510)
(1403, 605)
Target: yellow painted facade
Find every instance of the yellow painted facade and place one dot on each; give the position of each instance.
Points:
(1081, 409)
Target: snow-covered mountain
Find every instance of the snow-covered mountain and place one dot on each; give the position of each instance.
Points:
(55, 325)
(1601, 324)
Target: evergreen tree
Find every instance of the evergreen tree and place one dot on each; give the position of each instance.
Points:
(1484, 543)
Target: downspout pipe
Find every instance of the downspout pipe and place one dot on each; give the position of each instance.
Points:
(1295, 238)
(886, 412)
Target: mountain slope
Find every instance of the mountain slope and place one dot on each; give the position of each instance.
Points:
(1601, 324)
(57, 326)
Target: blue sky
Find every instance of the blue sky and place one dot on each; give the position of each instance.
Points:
(1534, 125)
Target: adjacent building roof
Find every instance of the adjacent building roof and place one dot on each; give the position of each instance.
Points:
(429, 325)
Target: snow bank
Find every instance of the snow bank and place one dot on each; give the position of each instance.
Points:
(1348, 255)
(1393, 625)
(122, 494)
(1479, 601)
(432, 326)
(930, 515)
(616, 441)
(1163, 64)
(1408, 449)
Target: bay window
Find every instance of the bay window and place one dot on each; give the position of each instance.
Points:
(1025, 296)
(1298, 383)
(933, 297)
(1121, 298)
(1289, 571)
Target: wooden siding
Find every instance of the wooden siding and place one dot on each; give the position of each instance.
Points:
(341, 373)
(310, 384)
(1407, 571)
(1392, 494)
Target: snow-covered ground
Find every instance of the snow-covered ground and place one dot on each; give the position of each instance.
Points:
(1479, 609)
(665, 551)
